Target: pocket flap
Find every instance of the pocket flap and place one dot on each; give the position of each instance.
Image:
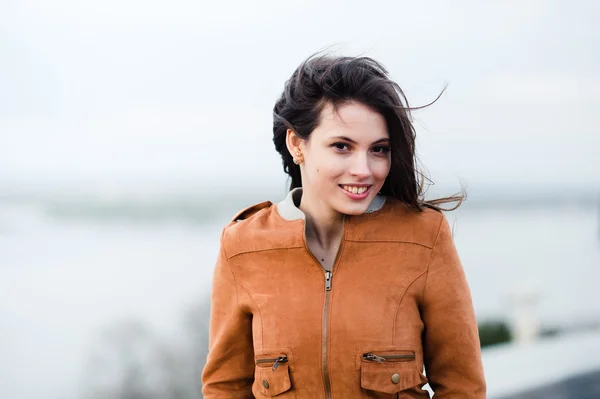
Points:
(270, 381)
(391, 373)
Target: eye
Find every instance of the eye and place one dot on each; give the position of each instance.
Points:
(380, 149)
(340, 146)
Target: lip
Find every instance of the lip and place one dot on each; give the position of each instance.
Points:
(360, 196)
(356, 184)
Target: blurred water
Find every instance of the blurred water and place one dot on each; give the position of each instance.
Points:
(64, 279)
(553, 251)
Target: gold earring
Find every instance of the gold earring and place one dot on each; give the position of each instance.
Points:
(297, 161)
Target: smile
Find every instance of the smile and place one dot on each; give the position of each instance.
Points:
(356, 192)
(355, 189)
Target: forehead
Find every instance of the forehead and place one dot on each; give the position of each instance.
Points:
(353, 120)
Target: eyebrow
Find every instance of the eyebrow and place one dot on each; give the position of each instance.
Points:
(383, 140)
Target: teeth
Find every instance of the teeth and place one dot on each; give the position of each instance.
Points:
(355, 190)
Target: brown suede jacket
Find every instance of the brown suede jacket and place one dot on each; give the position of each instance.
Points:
(396, 300)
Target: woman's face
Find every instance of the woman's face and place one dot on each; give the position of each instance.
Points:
(346, 159)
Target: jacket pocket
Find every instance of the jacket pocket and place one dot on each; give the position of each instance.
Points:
(383, 374)
(271, 376)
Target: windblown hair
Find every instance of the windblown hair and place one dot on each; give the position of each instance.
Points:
(323, 79)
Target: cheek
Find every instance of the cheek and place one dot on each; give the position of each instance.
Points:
(382, 169)
(381, 173)
(325, 167)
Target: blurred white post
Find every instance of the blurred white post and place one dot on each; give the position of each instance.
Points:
(525, 320)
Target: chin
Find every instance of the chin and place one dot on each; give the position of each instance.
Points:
(353, 209)
(353, 213)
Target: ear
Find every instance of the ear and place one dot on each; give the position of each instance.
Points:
(294, 143)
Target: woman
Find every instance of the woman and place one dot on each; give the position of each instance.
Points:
(352, 284)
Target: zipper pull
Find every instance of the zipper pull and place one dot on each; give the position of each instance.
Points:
(372, 357)
(327, 280)
(281, 359)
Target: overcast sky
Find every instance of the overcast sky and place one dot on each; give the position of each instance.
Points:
(112, 91)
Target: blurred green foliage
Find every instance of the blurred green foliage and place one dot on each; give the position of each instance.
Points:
(494, 332)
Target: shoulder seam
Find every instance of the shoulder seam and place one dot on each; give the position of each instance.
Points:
(400, 302)
(392, 241)
(227, 259)
(223, 239)
(264, 250)
(431, 255)
(238, 284)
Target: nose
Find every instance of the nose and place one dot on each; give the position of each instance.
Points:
(360, 166)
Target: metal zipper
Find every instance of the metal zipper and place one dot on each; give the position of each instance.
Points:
(325, 320)
(328, 278)
(383, 358)
(275, 361)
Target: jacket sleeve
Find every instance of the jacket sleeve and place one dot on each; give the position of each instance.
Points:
(452, 353)
(229, 369)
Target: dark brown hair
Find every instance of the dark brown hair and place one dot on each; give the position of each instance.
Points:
(323, 79)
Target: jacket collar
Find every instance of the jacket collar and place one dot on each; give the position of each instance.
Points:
(289, 210)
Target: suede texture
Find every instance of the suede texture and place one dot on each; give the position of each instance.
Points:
(398, 289)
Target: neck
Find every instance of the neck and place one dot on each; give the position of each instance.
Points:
(323, 225)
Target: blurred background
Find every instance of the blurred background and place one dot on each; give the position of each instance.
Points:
(131, 131)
